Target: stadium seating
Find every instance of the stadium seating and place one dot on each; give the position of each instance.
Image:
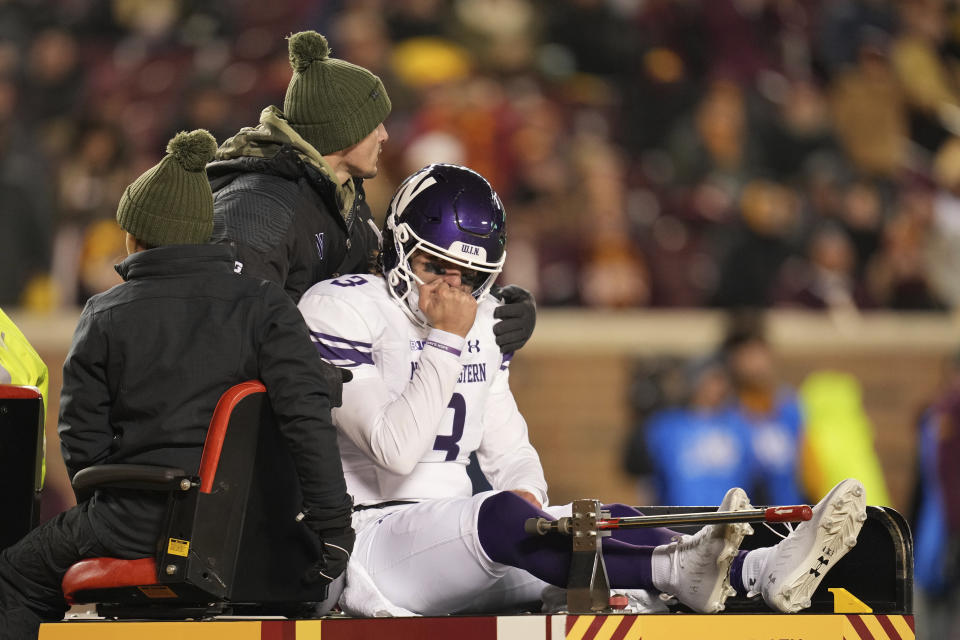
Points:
(232, 543)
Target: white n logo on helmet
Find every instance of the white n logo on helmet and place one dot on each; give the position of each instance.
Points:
(409, 191)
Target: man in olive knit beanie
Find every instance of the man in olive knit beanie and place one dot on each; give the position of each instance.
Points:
(288, 193)
(149, 361)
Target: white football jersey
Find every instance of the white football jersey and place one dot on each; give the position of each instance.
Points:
(421, 400)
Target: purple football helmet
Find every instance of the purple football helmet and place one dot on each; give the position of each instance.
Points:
(450, 212)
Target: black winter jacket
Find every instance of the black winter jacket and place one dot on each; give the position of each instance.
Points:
(151, 357)
(281, 213)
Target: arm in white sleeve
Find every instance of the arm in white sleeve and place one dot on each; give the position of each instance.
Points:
(506, 456)
(396, 431)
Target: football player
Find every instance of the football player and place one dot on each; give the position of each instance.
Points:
(430, 387)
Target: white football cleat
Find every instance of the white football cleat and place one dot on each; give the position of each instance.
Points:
(700, 564)
(797, 565)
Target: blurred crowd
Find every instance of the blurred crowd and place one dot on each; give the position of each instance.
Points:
(651, 153)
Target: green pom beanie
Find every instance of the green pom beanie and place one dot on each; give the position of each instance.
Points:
(331, 103)
(171, 203)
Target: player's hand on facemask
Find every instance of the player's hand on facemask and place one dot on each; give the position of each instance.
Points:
(335, 549)
(517, 317)
(448, 308)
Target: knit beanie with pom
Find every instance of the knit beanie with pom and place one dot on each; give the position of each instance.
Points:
(331, 103)
(171, 202)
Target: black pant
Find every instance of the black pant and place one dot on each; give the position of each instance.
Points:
(31, 572)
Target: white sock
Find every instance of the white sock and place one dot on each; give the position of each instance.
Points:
(752, 570)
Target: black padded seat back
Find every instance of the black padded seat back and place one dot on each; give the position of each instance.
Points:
(21, 460)
(246, 544)
(232, 542)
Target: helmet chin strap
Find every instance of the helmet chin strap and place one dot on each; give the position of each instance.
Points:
(413, 300)
(410, 301)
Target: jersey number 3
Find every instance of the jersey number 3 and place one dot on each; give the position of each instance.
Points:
(450, 443)
(350, 281)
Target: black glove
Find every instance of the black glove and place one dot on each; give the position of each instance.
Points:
(518, 317)
(335, 547)
(334, 377)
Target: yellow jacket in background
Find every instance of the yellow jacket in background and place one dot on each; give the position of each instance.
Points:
(20, 364)
(838, 440)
